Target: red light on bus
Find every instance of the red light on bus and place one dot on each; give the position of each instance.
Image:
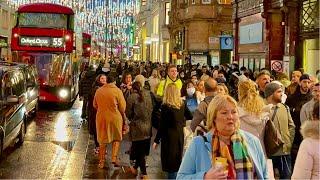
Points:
(67, 37)
(15, 35)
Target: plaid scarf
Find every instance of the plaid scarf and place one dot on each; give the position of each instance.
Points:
(240, 165)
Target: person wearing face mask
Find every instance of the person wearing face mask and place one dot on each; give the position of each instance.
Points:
(154, 80)
(188, 93)
(194, 79)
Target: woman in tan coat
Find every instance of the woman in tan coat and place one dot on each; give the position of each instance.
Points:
(110, 105)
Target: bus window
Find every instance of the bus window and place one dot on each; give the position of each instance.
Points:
(43, 20)
(59, 71)
(53, 69)
(71, 22)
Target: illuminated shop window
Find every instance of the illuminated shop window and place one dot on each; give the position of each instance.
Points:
(206, 1)
(224, 1)
(309, 14)
(167, 10)
(143, 2)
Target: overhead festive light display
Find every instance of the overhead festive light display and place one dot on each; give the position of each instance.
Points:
(108, 21)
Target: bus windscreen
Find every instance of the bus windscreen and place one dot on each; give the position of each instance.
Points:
(43, 20)
(53, 69)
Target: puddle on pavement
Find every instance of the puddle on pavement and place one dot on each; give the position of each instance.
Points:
(67, 145)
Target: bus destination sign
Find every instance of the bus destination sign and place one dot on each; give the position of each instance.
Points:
(42, 41)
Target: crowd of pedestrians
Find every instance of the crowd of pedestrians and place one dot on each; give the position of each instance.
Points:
(232, 112)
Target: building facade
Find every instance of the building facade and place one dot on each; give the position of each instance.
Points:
(275, 34)
(197, 30)
(7, 21)
(151, 33)
(308, 51)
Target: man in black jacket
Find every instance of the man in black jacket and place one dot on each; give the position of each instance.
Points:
(295, 101)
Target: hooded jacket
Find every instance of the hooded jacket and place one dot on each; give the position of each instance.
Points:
(255, 124)
(307, 162)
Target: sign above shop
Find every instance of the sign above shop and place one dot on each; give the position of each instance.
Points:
(3, 42)
(198, 53)
(213, 40)
(42, 41)
(226, 42)
(252, 33)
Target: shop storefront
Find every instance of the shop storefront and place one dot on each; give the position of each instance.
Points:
(308, 47)
(201, 58)
(3, 47)
(252, 43)
(266, 31)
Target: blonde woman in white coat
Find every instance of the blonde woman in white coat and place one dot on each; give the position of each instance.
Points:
(253, 112)
(307, 163)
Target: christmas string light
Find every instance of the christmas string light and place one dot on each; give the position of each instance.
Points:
(105, 20)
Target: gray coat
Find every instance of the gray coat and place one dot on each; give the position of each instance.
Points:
(139, 114)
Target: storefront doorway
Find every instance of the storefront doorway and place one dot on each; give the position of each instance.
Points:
(311, 55)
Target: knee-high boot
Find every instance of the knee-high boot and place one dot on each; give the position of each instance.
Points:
(115, 151)
(102, 155)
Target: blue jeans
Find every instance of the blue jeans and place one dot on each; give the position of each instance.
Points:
(172, 175)
(283, 164)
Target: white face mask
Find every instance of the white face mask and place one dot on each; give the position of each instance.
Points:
(194, 81)
(191, 91)
(283, 98)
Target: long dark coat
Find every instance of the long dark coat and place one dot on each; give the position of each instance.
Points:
(170, 134)
(92, 112)
(139, 114)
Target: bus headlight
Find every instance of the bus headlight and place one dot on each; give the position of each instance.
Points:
(63, 93)
(68, 37)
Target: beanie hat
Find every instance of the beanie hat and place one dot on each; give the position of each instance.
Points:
(305, 76)
(140, 78)
(271, 88)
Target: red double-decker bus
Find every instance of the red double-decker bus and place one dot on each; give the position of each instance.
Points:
(44, 36)
(86, 45)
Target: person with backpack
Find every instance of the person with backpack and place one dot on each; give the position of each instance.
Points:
(138, 111)
(281, 117)
(253, 113)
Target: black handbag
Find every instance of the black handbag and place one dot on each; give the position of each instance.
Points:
(272, 137)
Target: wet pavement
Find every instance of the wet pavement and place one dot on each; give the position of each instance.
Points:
(58, 146)
(91, 170)
(49, 146)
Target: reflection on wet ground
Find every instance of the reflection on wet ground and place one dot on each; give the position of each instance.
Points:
(91, 170)
(67, 145)
(50, 140)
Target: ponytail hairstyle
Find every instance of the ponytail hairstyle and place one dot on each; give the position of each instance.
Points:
(136, 86)
(249, 97)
